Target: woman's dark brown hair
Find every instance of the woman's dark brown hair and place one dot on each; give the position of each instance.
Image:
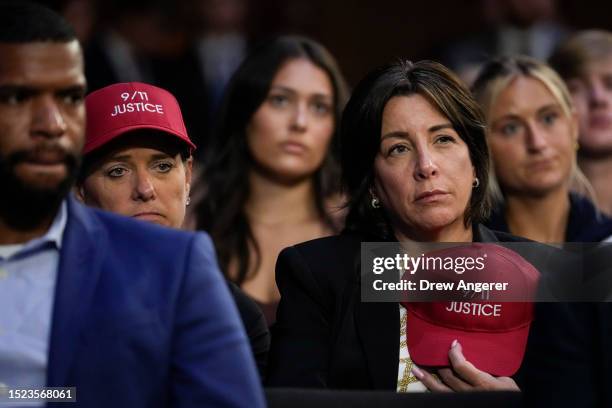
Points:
(224, 181)
(361, 127)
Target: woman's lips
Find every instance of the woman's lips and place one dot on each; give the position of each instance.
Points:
(293, 147)
(540, 165)
(431, 196)
(149, 216)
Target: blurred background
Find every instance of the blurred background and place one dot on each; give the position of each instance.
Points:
(192, 47)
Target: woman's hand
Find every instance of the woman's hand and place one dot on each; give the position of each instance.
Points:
(463, 376)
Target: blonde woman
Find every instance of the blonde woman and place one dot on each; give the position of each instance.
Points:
(533, 137)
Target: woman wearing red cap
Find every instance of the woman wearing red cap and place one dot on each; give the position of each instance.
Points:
(137, 155)
(137, 162)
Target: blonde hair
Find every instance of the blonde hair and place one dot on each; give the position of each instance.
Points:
(496, 75)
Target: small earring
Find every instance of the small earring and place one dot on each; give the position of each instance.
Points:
(576, 146)
(475, 183)
(188, 201)
(375, 202)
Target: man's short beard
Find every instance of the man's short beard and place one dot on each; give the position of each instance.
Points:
(24, 207)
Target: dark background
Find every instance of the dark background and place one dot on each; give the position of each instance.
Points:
(164, 36)
(366, 33)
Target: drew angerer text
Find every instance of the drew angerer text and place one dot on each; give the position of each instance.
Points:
(425, 285)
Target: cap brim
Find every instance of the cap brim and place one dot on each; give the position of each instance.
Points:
(499, 353)
(101, 141)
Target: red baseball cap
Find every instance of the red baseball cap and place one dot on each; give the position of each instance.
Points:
(493, 334)
(120, 108)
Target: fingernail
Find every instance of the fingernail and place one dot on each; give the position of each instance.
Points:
(454, 343)
(417, 372)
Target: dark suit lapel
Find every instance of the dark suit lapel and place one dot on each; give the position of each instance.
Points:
(78, 272)
(378, 329)
(483, 234)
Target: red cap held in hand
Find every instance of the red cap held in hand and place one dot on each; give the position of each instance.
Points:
(493, 333)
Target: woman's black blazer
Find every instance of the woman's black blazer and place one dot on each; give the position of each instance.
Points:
(325, 337)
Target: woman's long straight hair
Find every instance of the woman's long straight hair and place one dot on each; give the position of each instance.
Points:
(224, 180)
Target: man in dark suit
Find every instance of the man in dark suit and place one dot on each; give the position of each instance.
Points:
(131, 314)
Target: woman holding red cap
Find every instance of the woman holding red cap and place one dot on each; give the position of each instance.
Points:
(137, 162)
(271, 171)
(415, 165)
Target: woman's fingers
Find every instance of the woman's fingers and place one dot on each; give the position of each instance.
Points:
(462, 376)
(455, 383)
(466, 370)
(476, 379)
(430, 381)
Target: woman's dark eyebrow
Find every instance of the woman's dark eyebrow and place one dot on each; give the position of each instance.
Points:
(159, 156)
(293, 92)
(282, 88)
(403, 135)
(120, 157)
(156, 156)
(396, 134)
(440, 127)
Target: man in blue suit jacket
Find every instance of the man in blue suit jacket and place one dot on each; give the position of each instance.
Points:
(137, 324)
(131, 314)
